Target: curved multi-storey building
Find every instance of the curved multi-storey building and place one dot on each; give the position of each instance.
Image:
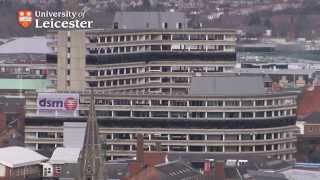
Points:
(171, 86)
(254, 122)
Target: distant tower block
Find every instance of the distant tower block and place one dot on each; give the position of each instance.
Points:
(91, 162)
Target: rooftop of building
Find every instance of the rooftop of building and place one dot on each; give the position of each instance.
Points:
(24, 84)
(297, 174)
(232, 85)
(313, 118)
(63, 155)
(23, 58)
(227, 86)
(176, 170)
(28, 45)
(147, 19)
(156, 30)
(261, 175)
(15, 156)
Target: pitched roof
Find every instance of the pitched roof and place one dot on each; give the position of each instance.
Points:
(65, 155)
(227, 85)
(313, 118)
(176, 170)
(15, 156)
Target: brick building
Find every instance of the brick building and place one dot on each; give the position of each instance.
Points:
(11, 121)
(18, 163)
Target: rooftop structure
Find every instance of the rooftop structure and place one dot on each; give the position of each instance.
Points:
(65, 155)
(20, 163)
(26, 45)
(227, 86)
(149, 20)
(15, 156)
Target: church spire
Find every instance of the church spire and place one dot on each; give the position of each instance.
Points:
(91, 162)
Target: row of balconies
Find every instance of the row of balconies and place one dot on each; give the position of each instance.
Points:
(161, 37)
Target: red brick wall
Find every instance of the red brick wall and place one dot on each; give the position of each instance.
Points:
(309, 102)
(3, 125)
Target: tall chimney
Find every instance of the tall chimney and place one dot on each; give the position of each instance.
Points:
(219, 171)
(140, 149)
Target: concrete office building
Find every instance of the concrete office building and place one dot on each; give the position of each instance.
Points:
(226, 115)
(170, 85)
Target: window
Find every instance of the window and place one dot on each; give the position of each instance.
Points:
(269, 102)
(269, 113)
(197, 114)
(232, 103)
(260, 114)
(247, 103)
(247, 114)
(178, 114)
(159, 114)
(140, 114)
(122, 113)
(102, 39)
(104, 113)
(215, 114)
(121, 102)
(259, 102)
(178, 103)
(215, 103)
(197, 103)
(232, 114)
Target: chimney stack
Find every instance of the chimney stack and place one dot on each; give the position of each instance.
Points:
(140, 149)
(219, 173)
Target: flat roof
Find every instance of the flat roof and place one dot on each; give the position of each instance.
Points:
(191, 30)
(36, 44)
(24, 84)
(227, 85)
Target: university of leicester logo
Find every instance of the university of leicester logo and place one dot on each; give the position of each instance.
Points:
(24, 18)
